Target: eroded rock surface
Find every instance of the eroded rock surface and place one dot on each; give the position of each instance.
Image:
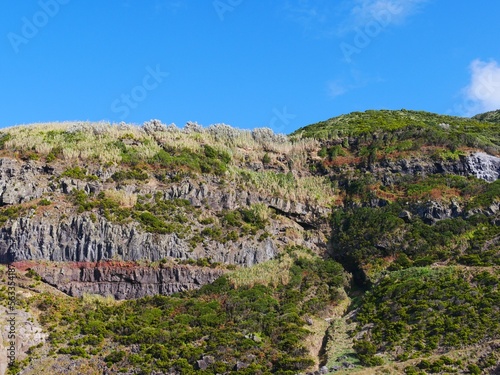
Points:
(27, 334)
(122, 280)
(484, 166)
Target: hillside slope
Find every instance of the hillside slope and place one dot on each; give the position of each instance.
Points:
(492, 116)
(254, 239)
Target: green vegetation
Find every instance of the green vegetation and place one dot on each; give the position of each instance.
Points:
(32, 274)
(492, 116)
(235, 223)
(4, 138)
(11, 213)
(133, 174)
(164, 216)
(369, 239)
(484, 197)
(156, 215)
(407, 229)
(384, 128)
(381, 187)
(442, 364)
(54, 154)
(259, 326)
(419, 310)
(168, 153)
(79, 173)
(44, 202)
(332, 152)
(210, 161)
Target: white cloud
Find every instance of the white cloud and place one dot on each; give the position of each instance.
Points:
(483, 92)
(335, 88)
(352, 80)
(384, 12)
(310, 14)
(161, 5)
(327, 18)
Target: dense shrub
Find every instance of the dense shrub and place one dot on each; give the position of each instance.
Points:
(420, 310)
(391, 128)
(256, 325)
(78, 173)
(134, 174)
(362, 236)
(4, 138)
(211, 161)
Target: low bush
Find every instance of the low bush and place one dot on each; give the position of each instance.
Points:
(257, 325)
(422, 310)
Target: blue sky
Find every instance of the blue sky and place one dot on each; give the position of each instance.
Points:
(281, 64)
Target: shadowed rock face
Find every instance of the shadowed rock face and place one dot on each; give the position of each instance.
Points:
(122, 280)
(78, 239)
(61, 235)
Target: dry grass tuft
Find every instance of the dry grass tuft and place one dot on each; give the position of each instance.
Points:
(273, 272)
(91, 300)
(121, 197)
(313, 189)
(106, 144)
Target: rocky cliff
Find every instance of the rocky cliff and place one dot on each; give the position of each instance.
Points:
(483, 166)
(79, 239)
(121, 280)
(223, 195)
(477, 164)
(283, 223)
(58, 233)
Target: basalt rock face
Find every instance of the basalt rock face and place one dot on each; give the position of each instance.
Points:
(79, 239)
(20, 182)
(124, 281)
(28, 332)
(478, 164)
(484, 166)
(208, 193)
(62, 235)
(59, 234)
(76, 238)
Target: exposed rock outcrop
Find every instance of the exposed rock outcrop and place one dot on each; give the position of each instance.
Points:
(79, 239)
(432, 211)
(123, 280)
(201, 194)
(61, 235)
(20, 182)
(478, 164)
(484, 166)
(27, 334)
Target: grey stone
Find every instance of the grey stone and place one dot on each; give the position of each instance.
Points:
(405, 215)
(124, 281)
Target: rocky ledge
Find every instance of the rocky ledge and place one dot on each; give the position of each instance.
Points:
(121, 280)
